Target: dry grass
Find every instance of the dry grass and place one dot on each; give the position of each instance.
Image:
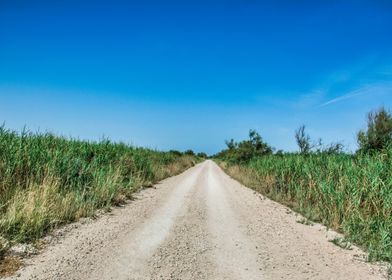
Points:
(47, 181)
(9, 265)
(351, 194)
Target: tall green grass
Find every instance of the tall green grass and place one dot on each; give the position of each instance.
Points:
(352, 194)
(46, 181)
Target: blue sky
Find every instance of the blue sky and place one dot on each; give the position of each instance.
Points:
(190, 74)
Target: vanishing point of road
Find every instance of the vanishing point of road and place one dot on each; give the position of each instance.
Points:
(200, 224)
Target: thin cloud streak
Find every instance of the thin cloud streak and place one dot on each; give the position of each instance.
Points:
(358, 92)
(352, 94)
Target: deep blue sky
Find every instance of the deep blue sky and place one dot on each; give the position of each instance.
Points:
(190, 74)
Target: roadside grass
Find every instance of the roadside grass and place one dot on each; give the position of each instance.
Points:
(305, 222)
(47, 181)
(8, 266)
(350, 194)
(342, 243)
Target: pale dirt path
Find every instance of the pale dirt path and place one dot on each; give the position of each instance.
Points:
(198, 225)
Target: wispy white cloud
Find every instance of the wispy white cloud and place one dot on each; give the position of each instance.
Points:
(351, 94)
(379, 88)
(365, 77)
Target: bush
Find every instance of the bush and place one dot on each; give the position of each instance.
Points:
(378, 135)
(303, 140)
(202, 155)
(245, 150)
(189, 152)
(175, 152)
(307, 146)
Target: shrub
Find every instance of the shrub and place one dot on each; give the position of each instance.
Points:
(202, 155)
(378, 135)
(245, 150)
(175, 152)
(189, 152)
(303, 140)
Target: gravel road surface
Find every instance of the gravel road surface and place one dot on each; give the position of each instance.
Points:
(200, 224)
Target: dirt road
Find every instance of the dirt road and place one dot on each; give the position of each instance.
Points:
(198, 225)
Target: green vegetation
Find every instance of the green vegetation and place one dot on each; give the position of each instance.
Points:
(189, 152)
(47, 181)
(378, 135)
(306, 146)
(202, 155)
(245, 150)
(342, 243)
(351, 193)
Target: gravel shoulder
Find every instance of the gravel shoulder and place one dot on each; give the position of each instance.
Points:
(200, 224)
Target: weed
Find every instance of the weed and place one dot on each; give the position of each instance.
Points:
(305, 222)
(342, 243)
(9, 265)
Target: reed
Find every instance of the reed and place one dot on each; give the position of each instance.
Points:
(351, 194)
(47, 181)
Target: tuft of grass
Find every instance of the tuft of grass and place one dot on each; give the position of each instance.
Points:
(47, 181)
(9, 265)
(4, 245)
(348, 193)
(305, 222)
(342, 243)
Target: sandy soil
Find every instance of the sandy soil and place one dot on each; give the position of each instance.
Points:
(198, 225)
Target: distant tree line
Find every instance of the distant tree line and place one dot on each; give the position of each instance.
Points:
(377, 137)
(247, 149)
(189, 153)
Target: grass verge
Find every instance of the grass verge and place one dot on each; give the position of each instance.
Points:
(351, 194)
(47, 181)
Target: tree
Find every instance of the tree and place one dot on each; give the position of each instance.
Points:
(378, 135)
(279, 153)
(189, 153)
(259, 146)
(307, 146)
(175, 152)
(231, 145)
(202, 155)
(246, 149)
(303, 140)
(333, 148)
